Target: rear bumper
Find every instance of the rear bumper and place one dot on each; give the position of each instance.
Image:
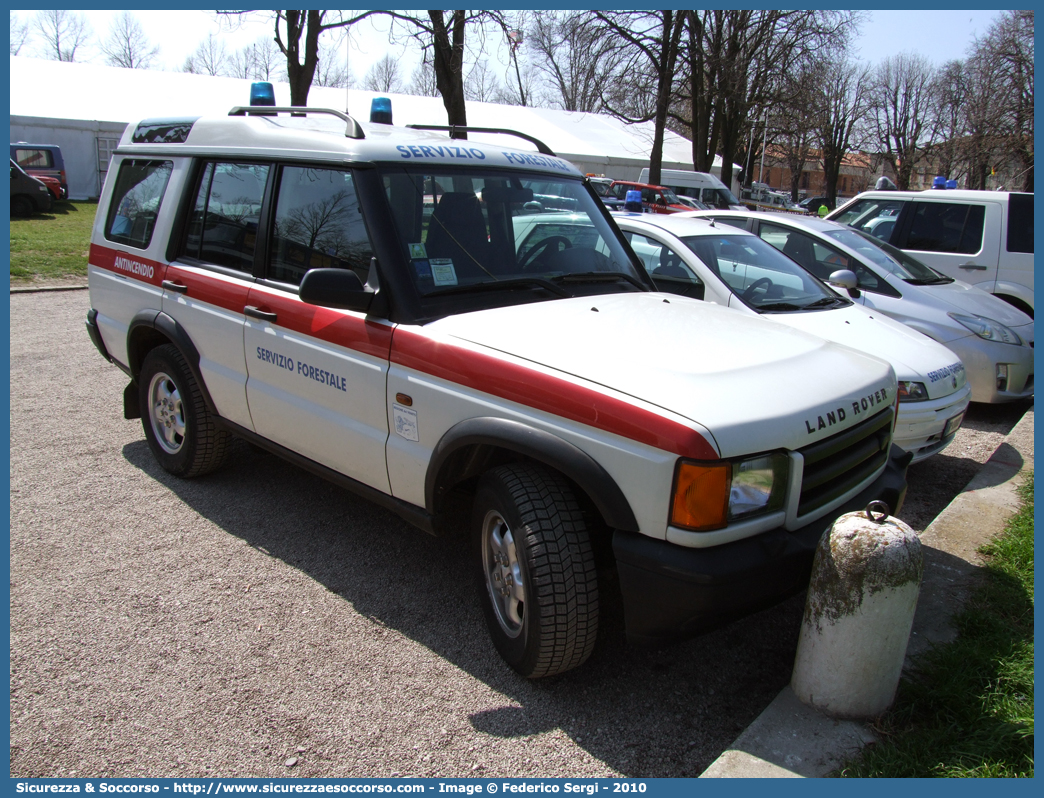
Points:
(671, 591)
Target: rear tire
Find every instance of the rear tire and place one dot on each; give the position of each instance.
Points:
(183, 435)
(537, 579)
(22, 206)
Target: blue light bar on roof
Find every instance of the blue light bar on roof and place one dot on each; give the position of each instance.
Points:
(262, 93)
(380, 111)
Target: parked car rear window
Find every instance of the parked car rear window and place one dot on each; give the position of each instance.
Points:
(946, 227)
(1020, 223)
(136, 200)
(32, 158)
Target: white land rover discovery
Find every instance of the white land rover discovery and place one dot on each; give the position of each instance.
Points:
(356, 300)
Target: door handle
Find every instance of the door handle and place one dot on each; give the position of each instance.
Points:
(257, 313)
(177, 288)
(973, 267)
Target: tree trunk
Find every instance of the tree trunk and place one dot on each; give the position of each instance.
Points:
(449, 62)
(300, 74)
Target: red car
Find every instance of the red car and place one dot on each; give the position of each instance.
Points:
(656, 199)
(53, 184)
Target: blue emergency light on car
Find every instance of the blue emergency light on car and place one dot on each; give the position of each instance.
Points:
(951, 183)
(939, 182)
(262, 93)
(380, 111)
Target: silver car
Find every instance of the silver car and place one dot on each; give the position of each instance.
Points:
(993, 339)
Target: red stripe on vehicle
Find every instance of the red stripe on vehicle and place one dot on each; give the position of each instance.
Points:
(517, 383)
(486, 373)
(230, 295)
(335, 326)
(134, 266)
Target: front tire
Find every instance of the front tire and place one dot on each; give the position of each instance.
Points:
(183, 435)
(538, 585)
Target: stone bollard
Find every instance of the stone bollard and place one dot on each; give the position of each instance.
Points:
(858, 614)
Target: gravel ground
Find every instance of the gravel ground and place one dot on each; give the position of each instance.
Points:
(261, 622)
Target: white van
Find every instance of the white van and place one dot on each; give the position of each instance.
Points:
(981, 237)
(700, 185)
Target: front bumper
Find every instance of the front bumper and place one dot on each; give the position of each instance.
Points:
(671, 591)
(921, 427)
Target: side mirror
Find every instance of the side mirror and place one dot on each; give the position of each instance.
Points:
(845, 278)
(335, 288)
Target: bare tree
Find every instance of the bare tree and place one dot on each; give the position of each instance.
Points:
(482, 84)
(1008, 48)
(845, 94)
(793, 122)
(950, 93)
(297, 35)
(902, 112)
(209, 58)
(422, 82)
(332, 68)
(19, 34)
(127, 45)
(258, 61)
(61, 34)
(576, 56)
(383, 76)
(650, 42)
(734, 62)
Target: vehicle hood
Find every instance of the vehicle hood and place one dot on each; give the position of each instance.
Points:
(914, 356)
(959, 297)
(748, 384)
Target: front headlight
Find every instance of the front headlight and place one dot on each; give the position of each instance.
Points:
(988, 328)
(708, 496)
(912, 391)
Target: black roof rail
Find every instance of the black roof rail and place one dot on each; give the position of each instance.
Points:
(352, 131)
(541, 147)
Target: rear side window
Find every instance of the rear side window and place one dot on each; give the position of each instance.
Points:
(946, 227)
(222, 228)
(136, 201)
(1020, 223)
(318, 225)
(32, 158)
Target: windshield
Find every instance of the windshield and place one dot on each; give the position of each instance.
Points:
(480, 231)
(873, 215)
(671, 197)
(719, 197)
(760, 275)
(888, 257)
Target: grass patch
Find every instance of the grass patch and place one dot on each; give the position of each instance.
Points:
(52, 245)
(967, 711)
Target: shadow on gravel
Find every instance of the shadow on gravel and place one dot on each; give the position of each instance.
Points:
(649, 713)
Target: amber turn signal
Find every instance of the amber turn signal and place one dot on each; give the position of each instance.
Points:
(701, 495)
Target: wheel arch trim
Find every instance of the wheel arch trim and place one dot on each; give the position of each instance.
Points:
(539, 445)
(168, 328)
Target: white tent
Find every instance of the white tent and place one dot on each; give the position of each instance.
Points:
(84, 108)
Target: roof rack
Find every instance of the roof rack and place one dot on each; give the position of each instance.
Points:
(453, 129)
(353, 130)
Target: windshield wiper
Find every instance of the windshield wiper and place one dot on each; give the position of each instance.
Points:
(827, 301)
(599, 277)
(929, 280)
(501, 285)
(780, 306)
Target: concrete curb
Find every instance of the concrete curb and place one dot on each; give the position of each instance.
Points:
(791, 740)
(37, 289)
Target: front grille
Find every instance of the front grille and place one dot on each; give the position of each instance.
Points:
(838, 464)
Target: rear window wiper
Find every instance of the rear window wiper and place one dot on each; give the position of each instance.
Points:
(600, 277)
(501, 285)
